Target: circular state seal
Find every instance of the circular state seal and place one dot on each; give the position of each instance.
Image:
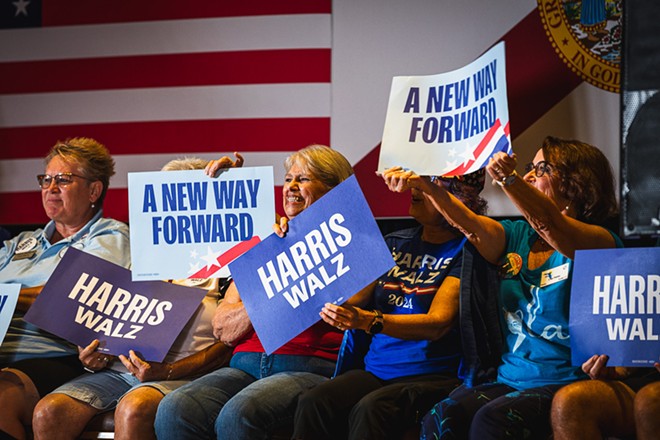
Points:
(587, 37)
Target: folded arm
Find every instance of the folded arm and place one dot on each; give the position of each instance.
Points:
(231, 321)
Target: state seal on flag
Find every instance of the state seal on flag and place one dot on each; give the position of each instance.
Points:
(587, 37)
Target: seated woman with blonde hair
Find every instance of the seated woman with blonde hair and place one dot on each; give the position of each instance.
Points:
(256, 394)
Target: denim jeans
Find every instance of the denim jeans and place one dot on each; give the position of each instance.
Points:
(251, 398)
(101, 390)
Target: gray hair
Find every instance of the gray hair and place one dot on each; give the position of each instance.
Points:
(185, 163)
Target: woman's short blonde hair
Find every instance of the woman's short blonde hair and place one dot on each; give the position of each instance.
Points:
(328, 165)
(92, 159)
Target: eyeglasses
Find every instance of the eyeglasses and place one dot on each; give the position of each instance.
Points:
(540, 168)
(61, 179)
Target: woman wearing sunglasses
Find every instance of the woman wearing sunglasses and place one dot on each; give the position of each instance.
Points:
(566, 194)
(73, 187)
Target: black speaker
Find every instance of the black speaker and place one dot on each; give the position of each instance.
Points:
(640, 119)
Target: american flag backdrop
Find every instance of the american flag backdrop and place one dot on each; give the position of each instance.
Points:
(157, 79)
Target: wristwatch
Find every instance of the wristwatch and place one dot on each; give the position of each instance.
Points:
(376, 325)
(508, 180)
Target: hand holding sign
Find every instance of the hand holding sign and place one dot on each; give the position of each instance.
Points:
(399, 180)
(596, 367)
(345, 317)
(145, 371)
(216, 165)
(92, 359)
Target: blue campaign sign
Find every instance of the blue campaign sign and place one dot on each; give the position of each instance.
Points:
(8, 299)
(89, 298)
(615, 306)
(333, 249)
(183, 223)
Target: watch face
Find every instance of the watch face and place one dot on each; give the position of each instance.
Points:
(376, 327)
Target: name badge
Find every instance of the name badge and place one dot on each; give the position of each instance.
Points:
(554, 275)
(25, 249)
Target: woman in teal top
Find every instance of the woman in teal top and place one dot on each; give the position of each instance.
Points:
(566, 193)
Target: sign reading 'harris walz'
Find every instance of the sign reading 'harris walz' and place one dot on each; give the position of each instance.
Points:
(332, 250)
(88, 298)
(615, 306)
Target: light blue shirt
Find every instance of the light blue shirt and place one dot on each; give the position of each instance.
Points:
(105, 238)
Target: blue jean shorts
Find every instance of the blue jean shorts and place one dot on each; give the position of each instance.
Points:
(103, 390)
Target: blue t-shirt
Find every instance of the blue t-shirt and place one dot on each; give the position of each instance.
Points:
(534, 306)
(408, 289)
(29, 259)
